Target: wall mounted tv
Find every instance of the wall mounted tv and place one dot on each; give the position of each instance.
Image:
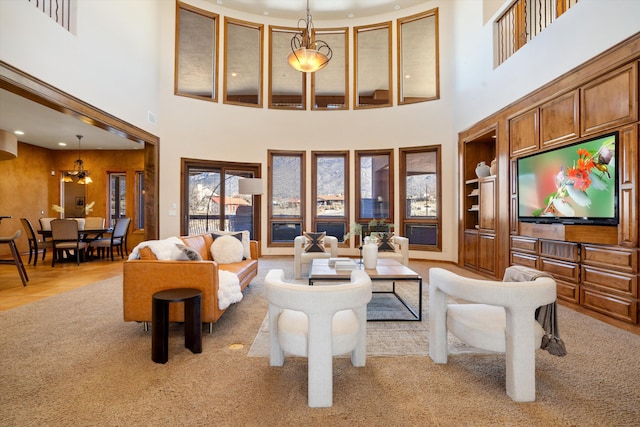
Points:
(574, 184)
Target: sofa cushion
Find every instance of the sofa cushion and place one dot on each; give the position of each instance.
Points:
(201, 243)
(187, 253)
(245, 240)
(146, 253)
(314, 242)
(227, 250)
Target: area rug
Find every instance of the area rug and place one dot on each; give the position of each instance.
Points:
(386, 338)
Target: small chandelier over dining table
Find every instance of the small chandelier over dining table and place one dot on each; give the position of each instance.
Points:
(308, 55)
(78, 170)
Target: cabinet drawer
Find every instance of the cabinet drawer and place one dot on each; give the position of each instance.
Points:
(610, 258)
(620, 283)
(568, 291)
(527, 260)
(565, 251)
(612, 306)
(524, 244)
(566, 271)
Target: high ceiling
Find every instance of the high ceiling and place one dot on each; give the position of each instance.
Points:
(320, 9)
(45, 127)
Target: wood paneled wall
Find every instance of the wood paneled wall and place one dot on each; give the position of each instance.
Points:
(28, 188)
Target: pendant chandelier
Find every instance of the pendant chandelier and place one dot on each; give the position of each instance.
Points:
(306, 55)
(78, 170)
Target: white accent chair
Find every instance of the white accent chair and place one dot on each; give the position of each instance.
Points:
(318, 322)
(500, 317)
(301, 258)
(401, 253)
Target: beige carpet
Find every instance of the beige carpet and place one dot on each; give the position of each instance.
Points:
(70, 360)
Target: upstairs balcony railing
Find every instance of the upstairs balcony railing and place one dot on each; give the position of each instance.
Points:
(524, 20)
(58, 10)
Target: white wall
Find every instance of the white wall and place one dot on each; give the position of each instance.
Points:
(109, 60)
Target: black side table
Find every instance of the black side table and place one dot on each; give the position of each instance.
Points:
(192, 299)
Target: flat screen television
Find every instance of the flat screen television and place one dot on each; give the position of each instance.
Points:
(573, 184)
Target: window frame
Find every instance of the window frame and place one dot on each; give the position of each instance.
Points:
(332, 31)
(260, 78)
(404, 219)
(216, 20)
(221, 167)
(358, 192)
(303, 76)
(402, 100)
(315, 218)
(301, 219)
(356, 98)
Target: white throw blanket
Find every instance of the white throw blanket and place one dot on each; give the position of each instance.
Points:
(228, 289)
(162, 249)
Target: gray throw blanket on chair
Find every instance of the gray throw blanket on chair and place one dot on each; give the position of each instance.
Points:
(545, 315)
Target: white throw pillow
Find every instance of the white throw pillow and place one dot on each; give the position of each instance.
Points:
(227, 250)
(245, 240)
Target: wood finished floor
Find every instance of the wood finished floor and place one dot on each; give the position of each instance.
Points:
(45, 281)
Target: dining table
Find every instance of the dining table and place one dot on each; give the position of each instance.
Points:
(86, 235)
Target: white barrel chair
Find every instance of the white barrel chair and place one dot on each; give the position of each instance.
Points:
(499, 316)
(302, 258)
(318, 322)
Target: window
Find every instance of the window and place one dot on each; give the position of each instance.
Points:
(286, 196)
(524, 20)
(196, 73)
(373, 66)
(139, 217)
(287, 87)
(212, 201)
(243, 63)
(374, 185)
(418, 67)
(420, 197)
(330, 195)
(117, 207)
(330, 85)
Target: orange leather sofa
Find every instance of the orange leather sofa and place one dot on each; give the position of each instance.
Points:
(143, 278)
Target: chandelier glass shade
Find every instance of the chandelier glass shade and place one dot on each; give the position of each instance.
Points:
(78, 171)
(308, 55)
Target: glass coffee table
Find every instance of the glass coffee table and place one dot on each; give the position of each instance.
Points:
(387, 270)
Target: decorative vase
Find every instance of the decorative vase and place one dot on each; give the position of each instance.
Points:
(482, 170)
(494, 167)
(370, 253)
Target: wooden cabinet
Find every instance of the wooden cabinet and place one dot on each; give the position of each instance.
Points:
(478, 205)
(610, 101)
(523, 133)
(560, 120)
(600, 278)
(487, 203)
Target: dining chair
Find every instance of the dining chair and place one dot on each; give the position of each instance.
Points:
(16, 259)
(66, 237)
(117, 240)
(34, 245)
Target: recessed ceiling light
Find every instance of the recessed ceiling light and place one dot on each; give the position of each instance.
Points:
(408, 76)
(234, 74)
(266, 13)
(350, 15)
(62, 144)
(219, 2)
(19, 132)
(397, 7)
